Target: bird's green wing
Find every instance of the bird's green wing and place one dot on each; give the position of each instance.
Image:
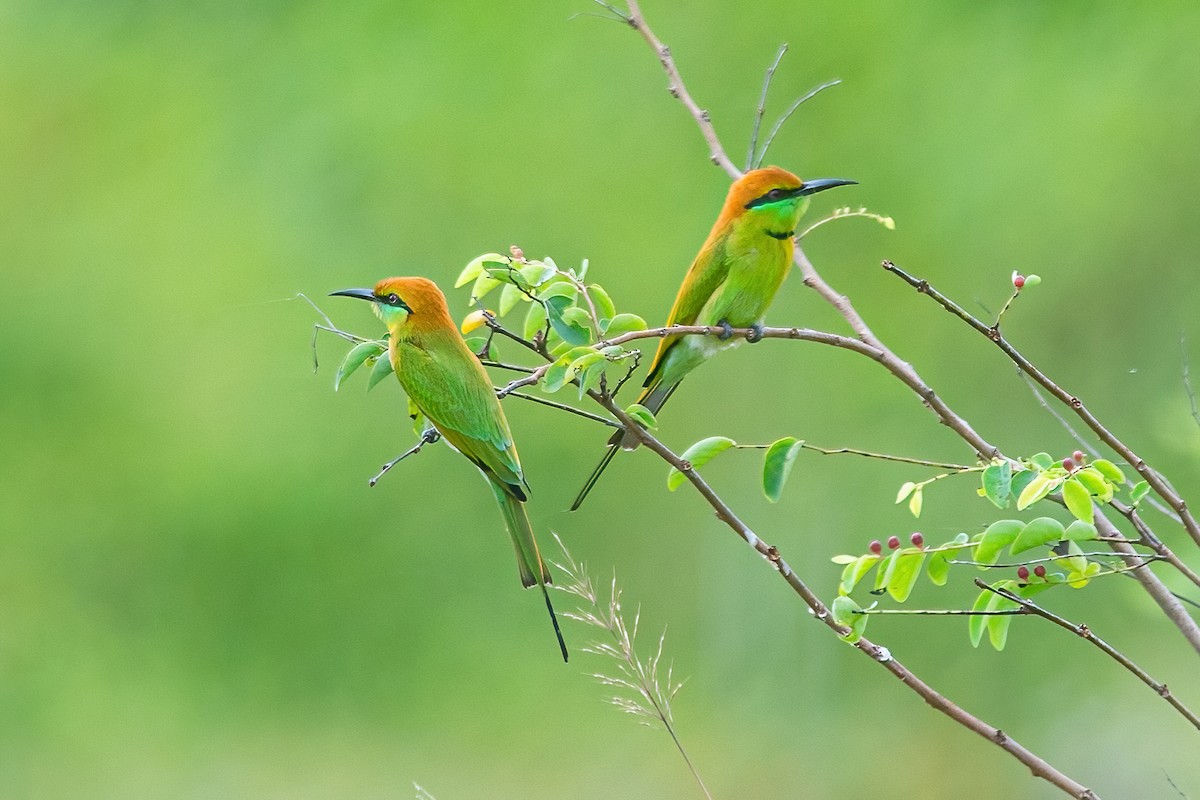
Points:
(703, 279)
(452, 390)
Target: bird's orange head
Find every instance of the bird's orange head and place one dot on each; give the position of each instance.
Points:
(406, 305)
(772, 199)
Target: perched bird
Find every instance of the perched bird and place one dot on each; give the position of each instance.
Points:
(446, 382)
(730, 284)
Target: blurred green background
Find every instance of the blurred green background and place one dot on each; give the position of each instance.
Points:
(201, 598)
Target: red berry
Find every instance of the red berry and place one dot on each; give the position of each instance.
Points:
(1068, 464)
(1018, 281)
(875, 547)
(1040, 571)
(1078, 456)
(1023, 573)
(917, 539)
(893, 542)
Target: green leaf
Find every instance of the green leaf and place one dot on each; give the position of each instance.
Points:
(976, 624)
(1110, 471)
(1074, 561)
(584, 361)
(536, 273)
(915, 500)
(1080, 531)
(555, 377)
(510, 295)
(844, 559)
(903, 573)
(997, 626)
(642, 416)
(998, 535)
(559, 309)
(475, 268)
(1078, 500)
(1042, 461)
(1138, 491)
(1038, 532)
(1095, 482)
(590, 378)
(1080, 578)
(484, 284)
(355, 358)
(847, 612)
(856, 570)
(1021, 479)
(561, 288)
(939, 560)
(885, 567)
(904, 492)
(535, 321)
(1038, 488)
(777, 465)
(605, 309)
(381, 369)
(698, 455)
(624, 323)
(997, 484)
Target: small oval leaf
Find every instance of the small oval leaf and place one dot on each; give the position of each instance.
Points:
(698, 455)
(1078, 500)
(354, 359)
(998, 535)
(1038, 532)
(777, 465)
(1109, 470)
(382, 368)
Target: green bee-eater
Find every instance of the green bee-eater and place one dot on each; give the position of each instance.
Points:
(731, 283)
(446, 382)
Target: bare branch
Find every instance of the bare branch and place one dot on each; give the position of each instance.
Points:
(1084, 632)
(816, 90)
(1150, 475)
(429, 436)
(716, 153)
(762, 105)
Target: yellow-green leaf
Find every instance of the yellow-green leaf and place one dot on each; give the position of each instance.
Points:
(354, 359)
(1078, 500)
(1037, 488)
(1038, 532)
(698, 455)
(1109, 470)
(777, 465)
(475, 268)
(915, 500)
(382, 368)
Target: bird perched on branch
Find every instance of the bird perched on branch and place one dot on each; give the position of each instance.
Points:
(446, 382)
(730, 284)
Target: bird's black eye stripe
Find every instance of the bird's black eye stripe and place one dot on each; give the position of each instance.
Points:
(393, 299)
(773, 196)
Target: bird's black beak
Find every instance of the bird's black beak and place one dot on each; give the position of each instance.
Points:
(821, 184)
(361, 294)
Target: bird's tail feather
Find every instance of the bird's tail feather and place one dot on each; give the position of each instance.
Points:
(614, 445)
(653, 398)
(529, 560)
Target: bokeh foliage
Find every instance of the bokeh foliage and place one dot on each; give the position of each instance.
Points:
(199, 595)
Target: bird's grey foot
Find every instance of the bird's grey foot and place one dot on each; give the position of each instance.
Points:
(756, 333)
(726, 330)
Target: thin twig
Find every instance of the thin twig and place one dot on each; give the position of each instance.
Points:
(1079, 440)
(1157, 482)
(579, 412)
(762, 105)
(716, 153)
(881, 655)
(1187, 379)
(939, 612)
(428, 436)
(792, 110)
(1083, 631)
(920, 462)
